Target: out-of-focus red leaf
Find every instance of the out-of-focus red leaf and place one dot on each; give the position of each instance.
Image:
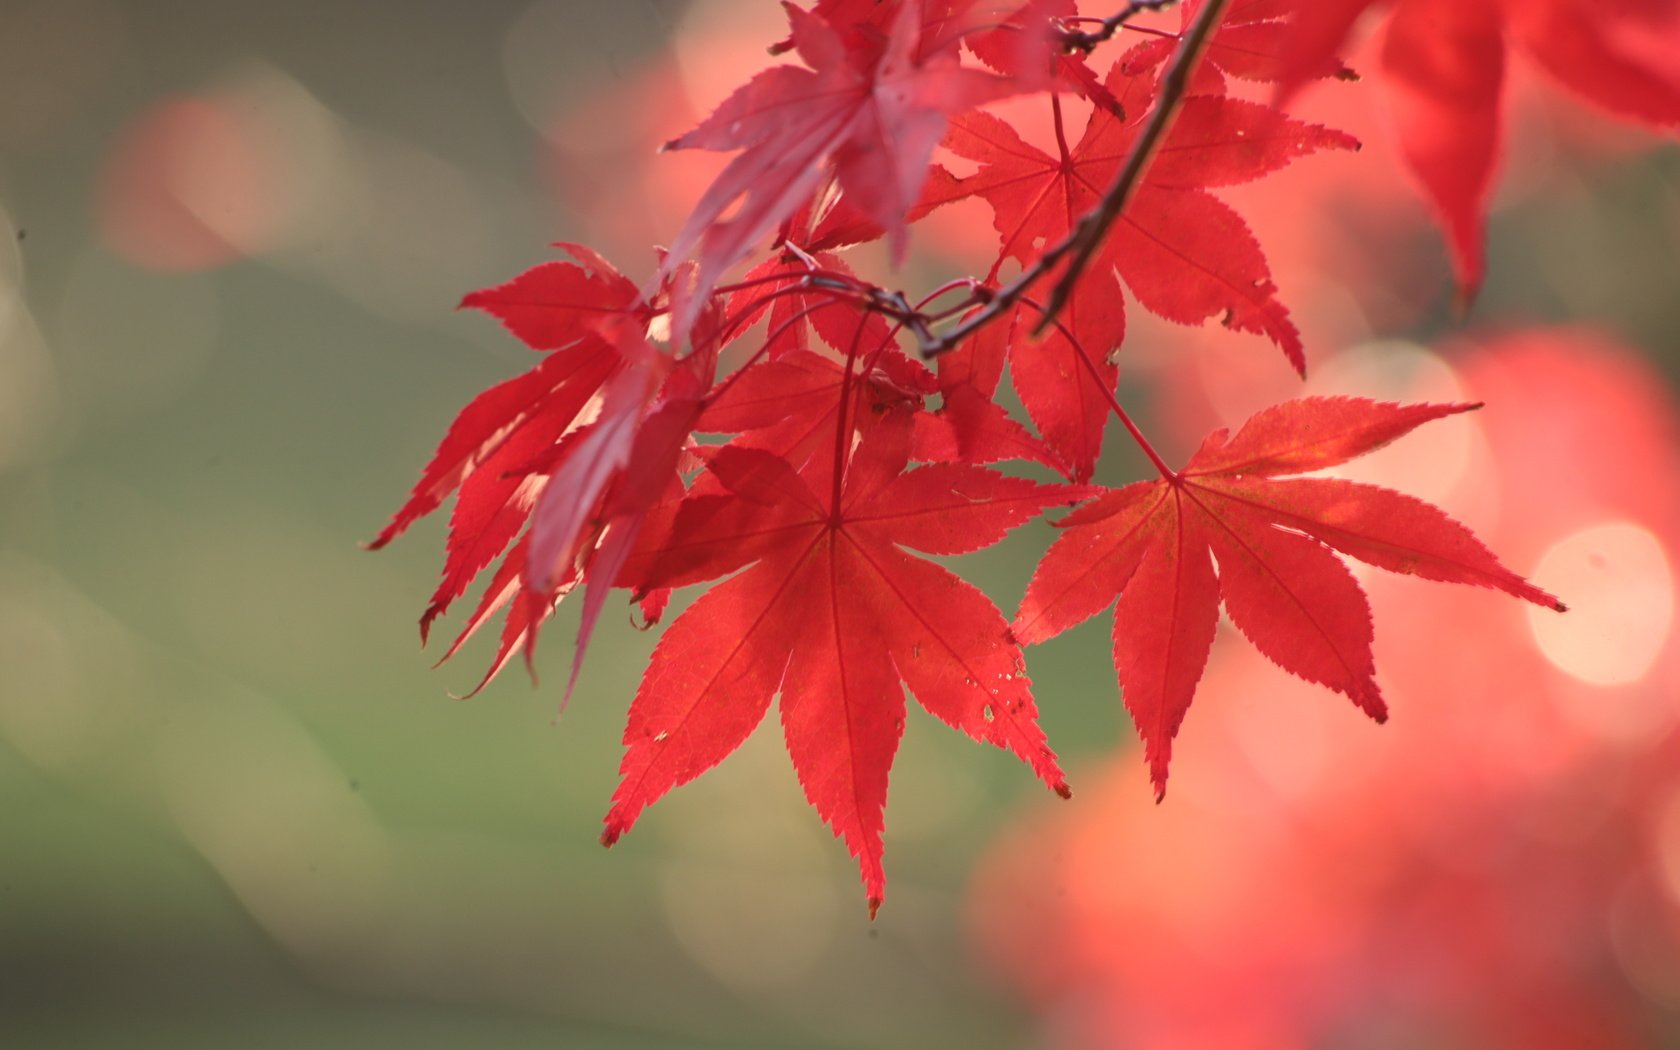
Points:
(1443, 66)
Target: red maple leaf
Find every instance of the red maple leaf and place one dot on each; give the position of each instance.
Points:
(1153, 546)
(556, 304)
(551, 306)
(872, 106)
(834, 616)
(1255, 42)
(1183, 253)
(1023, 41)
(1443, 68)
(580, 449)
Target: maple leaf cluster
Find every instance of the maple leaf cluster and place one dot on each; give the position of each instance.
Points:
(848, 424)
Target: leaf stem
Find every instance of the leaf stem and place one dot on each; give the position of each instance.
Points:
(1061, 133)
(843, 430)
(945, 289)
(814, 277)
(1113, 402)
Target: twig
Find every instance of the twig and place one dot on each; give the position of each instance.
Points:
(1081, 40)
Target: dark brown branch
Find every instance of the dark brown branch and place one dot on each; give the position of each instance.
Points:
(1082, 241)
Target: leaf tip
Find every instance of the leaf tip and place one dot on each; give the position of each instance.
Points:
(1375, 707)
(610, 835)
(398, 525)
(1530, 593)
(874, 907)
(1061, 788)
(1024, 632)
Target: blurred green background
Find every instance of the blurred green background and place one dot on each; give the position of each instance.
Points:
(237, 807)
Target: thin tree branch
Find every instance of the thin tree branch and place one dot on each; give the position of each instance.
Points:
(1082, 241)
(1088, 235)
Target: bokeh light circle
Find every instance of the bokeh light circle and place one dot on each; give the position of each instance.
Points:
(1619, 586)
